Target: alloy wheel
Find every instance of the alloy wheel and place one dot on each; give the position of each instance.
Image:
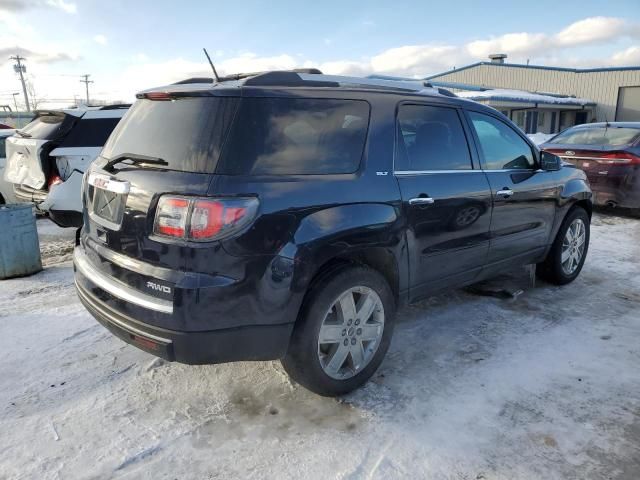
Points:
(351, 332)
(573, 246)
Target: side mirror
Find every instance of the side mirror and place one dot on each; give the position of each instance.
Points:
(550, 162)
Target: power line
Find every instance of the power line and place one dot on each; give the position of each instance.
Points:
(86, 82)
(20, 69)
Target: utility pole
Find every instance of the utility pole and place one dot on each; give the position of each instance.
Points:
(86, 82)
(21, 69)
(15, 102)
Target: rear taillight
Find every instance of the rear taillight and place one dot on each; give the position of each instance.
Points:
(623, 158)
(203, 219)
(55, 180)
(158, 96)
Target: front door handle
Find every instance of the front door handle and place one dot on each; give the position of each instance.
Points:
(421, 201)
(505, 192)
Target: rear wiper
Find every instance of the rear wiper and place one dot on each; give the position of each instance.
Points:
(23, 134)
(135, 158)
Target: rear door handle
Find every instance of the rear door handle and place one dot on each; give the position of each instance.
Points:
(505, 192)
(421, 201)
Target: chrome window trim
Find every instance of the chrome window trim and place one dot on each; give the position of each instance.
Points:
(476, 170)
(116, 288)
(427, 172)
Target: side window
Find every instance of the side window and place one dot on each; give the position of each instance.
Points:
(502, 148)
(90, 132)
(3, 152)
(430, 138)
(296, 136)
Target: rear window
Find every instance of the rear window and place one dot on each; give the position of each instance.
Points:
(187, 132)
(293, 136)
(44, 127)
(90, 133)
(612, 136)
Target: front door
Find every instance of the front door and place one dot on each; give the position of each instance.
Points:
(524, 197)
(447, 203)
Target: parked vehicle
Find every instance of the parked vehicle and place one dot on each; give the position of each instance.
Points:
(286, 215)
(609, 153)
(47, 158)
(6, 189)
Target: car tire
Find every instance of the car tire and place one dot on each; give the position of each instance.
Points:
(562, 264)
(326, 329)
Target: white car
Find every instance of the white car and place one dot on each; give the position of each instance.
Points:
(6, 189)
(47, 159)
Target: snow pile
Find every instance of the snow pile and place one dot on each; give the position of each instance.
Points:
(544, 386)
(505, 95)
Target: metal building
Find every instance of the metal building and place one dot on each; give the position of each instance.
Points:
(566, 96)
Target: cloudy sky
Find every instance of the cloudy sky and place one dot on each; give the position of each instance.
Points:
(129, 46)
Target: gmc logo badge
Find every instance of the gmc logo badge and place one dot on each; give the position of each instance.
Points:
(159, 288)
(101, 183)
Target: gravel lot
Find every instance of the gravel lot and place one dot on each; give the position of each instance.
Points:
(544, 386)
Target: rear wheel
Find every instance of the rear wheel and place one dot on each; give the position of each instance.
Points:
(569, 250)
(343, 333)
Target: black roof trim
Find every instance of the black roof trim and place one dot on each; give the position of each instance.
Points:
(285, 78)
(194, 80)
(116, 106)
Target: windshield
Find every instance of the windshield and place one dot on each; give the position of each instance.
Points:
(187, 133)
(44, 127)
(612, 136)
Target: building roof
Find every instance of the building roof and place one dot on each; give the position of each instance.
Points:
(536, 67)
(520, 96)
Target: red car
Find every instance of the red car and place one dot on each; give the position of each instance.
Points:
(609, 153)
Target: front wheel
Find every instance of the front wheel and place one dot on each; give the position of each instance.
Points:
(569, 250)
(343, 333)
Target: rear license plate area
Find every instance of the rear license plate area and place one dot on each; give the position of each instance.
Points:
(107, 198)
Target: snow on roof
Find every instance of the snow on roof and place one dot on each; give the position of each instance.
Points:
(520, 96)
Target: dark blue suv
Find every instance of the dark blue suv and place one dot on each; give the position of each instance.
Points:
(287, 215)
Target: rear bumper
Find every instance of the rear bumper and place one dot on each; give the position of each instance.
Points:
(257, 342)
(619, 187)
(219, 346)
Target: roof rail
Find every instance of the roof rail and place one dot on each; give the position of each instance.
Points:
(240, 76)
(416, 86)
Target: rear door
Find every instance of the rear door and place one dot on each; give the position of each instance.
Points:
(524, 197)
(446, 198)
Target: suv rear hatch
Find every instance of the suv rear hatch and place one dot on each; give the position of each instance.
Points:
(28, 165)
(162, 147)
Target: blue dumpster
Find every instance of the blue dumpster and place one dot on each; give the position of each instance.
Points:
(19, 245)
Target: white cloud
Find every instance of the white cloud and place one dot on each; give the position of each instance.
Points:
(250, 62)
(590, 30)
(412, 60)
(630, 56)
(67, 7)
(100, 39)
(514, 43)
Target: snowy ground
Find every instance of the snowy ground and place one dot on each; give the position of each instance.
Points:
(545, 386)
